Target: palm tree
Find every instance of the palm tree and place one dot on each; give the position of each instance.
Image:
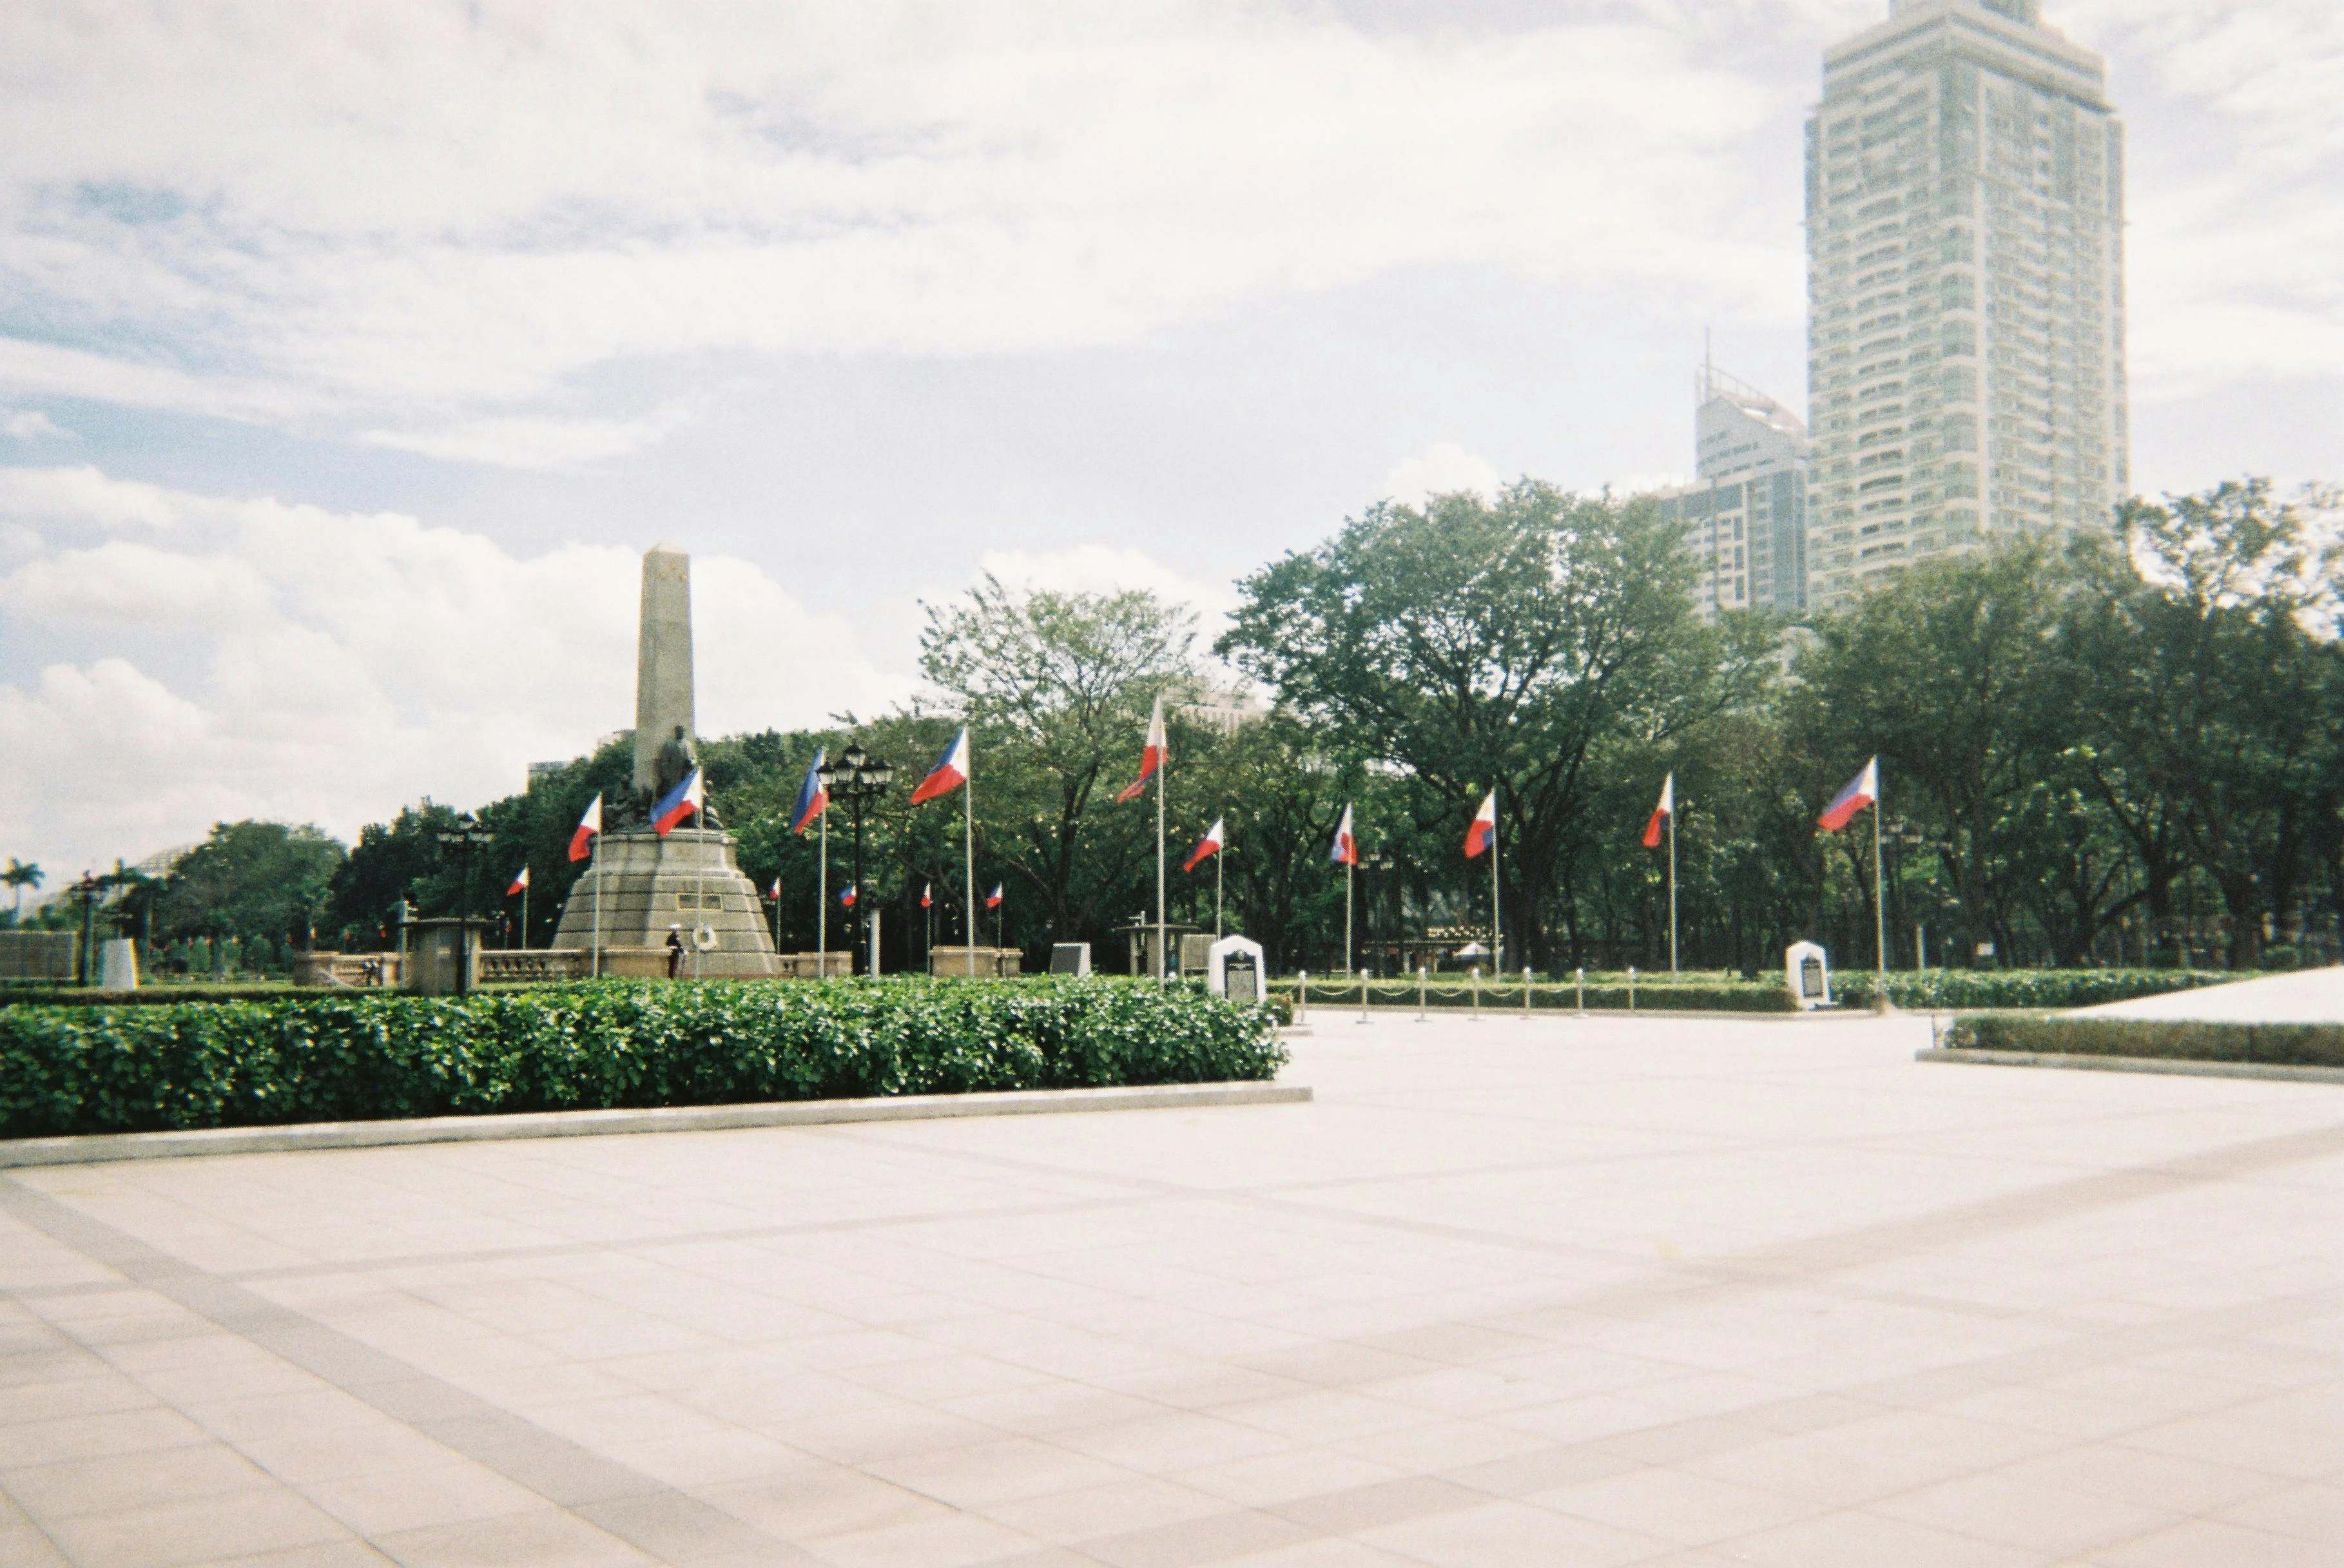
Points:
(20, 876)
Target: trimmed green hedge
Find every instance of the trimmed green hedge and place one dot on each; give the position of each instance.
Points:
(2288, 1045)
(1951, 988)
(1607, 995)
(605, 1044)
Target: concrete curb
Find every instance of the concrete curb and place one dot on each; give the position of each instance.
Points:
(2173, 1067)
(102, 1147)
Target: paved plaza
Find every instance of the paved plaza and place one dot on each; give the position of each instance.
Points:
(1549, 1292)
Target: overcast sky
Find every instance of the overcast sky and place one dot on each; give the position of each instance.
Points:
(350, 354)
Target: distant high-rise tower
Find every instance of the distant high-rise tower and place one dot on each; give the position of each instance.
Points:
(1748, 515)
(1965, 372)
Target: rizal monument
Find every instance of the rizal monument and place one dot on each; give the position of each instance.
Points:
(644, 884)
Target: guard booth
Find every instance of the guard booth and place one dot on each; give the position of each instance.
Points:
(1235, 969)
(1807, 971)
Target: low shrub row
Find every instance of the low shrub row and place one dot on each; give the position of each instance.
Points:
(1951, 988)
(1609, 994)
(2287, 1044)
(605, 1044)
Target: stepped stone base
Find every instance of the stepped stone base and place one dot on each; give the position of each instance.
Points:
(688, 879)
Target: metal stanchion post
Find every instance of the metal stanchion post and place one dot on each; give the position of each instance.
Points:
(1363, 994)
(1477, 993)
(1527, 977)
(1302, 996)
(1423, 984)
(1631, 987)
(1582, 990)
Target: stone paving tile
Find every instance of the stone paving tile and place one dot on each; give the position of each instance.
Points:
(1665, 1292)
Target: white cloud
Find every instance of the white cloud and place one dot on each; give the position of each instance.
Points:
(329, 666)
(530, 443)
(1440, 469)
(434, 210)
(29, 425)
(1103, 568)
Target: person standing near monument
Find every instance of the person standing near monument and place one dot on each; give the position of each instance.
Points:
(674, 951)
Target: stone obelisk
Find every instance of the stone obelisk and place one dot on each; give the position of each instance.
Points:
(686, 880)
(663, 662)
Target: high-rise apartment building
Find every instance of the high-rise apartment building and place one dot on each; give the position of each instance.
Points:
(1965, 372)
(1748, 516)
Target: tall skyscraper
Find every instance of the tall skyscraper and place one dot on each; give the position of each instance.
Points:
(1965, 372)
(1748, 515)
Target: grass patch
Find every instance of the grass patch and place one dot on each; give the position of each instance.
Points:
(602, 1044)
(2166, 1039)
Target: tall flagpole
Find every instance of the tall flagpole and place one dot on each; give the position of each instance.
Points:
(822, 901)
(1673, 886)
(1350, 865)
(968, 849)
(597, 870)
(524, 910)
(1496, 940)
(1162, 939)
(1879, 904)
(1217, 890)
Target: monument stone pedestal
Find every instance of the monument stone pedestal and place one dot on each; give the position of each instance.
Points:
(689, 878)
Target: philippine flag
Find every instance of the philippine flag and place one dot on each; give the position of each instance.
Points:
(682, 801)
(813, 796)
(519, 885)
(1863, 791)
(774, 894)
(1346, 851)
(950, 772)
(1216, 836)
(590, 828)
(928, 895)
(1151, 756)
(1662, 813)
(1484, 831)
(847, 896)
(993, 899)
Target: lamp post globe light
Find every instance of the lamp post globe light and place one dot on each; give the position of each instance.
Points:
(854, 781)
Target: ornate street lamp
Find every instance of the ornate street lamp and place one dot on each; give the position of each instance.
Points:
(854, 781)
(461, 841)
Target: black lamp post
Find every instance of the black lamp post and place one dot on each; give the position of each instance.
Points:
(461, 841)
(1377, 862)
(854, 781)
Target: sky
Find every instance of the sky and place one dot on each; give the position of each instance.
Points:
(350, 356)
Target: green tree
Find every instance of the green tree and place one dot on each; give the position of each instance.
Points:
(256, 881)
(1057, 689)
(20, 875)
(1527, 643)
(2207, 648)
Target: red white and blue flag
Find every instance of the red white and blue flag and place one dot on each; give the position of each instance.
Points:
(1216, 838)
(519, 884)
(950, 772)
(682, 801)
(813, 796)
(1346, 850)
(590, 828)
(1662, 813)
(1484, 831)
(927, 896)
(1151, 756)
(993, 899)
(1864, 790)
(847, 896)
(774, 894)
